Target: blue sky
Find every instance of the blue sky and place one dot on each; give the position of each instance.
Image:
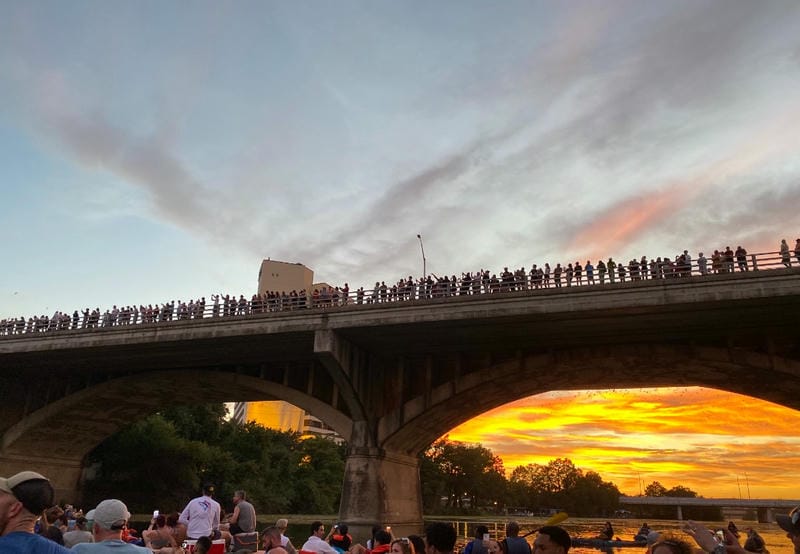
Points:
(159, 150)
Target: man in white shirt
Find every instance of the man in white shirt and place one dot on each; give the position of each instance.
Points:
(316, 542)
(201, 515)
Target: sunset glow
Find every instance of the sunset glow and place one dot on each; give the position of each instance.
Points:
(716, 443)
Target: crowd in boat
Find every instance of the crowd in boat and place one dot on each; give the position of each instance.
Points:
(31, 523)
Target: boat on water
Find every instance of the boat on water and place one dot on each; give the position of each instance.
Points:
(603, 543)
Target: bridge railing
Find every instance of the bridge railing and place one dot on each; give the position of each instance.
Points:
(409, 290)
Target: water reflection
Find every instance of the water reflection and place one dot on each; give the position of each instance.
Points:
(625, 529)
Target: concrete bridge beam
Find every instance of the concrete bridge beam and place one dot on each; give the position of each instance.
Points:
(64, 474)
(381, 488)
(344, 362)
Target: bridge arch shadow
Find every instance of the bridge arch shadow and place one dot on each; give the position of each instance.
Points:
(70, 427)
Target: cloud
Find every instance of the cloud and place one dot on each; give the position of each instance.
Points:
(93, 141)
(584, 142)
(705, 435)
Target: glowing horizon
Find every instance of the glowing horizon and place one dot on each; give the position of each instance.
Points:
(716, 443)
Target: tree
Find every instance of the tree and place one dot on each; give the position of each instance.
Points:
(467, 475)
(655, 489)
(168, 456)
(147, 462)
(557, 476)
(197, 422)
(559, 484)
(593, 496)
(681, 491)
(318, 479)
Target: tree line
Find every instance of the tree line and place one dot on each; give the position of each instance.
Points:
(166, 457)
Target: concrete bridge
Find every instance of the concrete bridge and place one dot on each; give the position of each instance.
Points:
(765, 508)
(391, 378)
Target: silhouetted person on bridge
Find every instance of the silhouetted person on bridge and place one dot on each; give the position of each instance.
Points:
(797, 250)
(785, 258)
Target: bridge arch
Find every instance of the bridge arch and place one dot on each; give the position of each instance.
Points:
(424, 418)
(66, 430)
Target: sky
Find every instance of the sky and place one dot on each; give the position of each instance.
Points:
(152, 150)
(718, 444)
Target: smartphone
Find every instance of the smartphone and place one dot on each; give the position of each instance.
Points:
(155, 514)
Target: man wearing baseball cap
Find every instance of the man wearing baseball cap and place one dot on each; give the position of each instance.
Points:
(110, 518)
(23, 498)
(791, 524)
(201, 515)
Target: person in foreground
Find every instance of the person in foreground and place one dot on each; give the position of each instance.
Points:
(440, 538)
(272, 541)
(670, 545)
(477, 546)
(202, 546)
(552, 539)
(706, 540)
(282, 524)
(514, 544)
(201, 515)
(23, 497)
(110, 518)
(791, 523)
(316, 542)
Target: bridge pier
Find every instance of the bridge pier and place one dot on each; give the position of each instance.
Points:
(679, 515)
(64, 474)
(381, 488)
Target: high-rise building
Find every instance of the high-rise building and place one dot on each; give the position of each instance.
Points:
(276, 276)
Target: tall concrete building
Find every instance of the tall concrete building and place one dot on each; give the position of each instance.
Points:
(277, 276)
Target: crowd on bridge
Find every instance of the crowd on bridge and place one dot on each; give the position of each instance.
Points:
(480, 282)
(31, 523)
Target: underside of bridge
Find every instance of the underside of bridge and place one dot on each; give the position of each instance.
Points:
(389, 389)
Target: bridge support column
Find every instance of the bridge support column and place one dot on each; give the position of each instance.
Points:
(679, 516)
(64, 475)
(381, 488)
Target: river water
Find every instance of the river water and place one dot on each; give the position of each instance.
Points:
(773, 535)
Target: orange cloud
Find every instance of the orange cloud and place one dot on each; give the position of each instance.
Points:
(623, 222)
(701, 438)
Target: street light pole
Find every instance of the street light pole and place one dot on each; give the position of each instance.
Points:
(424, 268)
